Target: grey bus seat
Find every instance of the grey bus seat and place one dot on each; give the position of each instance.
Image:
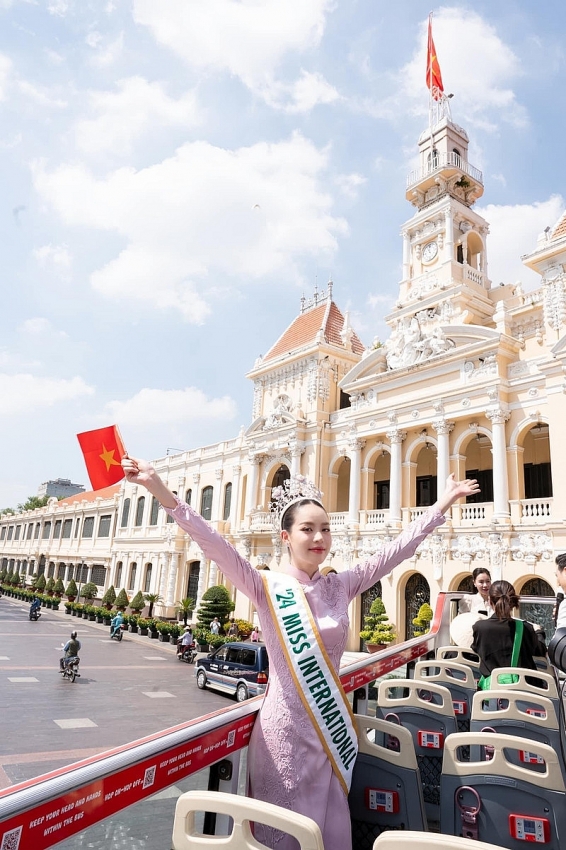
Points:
(499, 799)
(428, 840)
(426, 710)
(460, 655)
(460, 681)
(386, 791)
(243, 811)
(519, 713)
(529, 681)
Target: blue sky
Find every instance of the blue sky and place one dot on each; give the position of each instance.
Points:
(175, 174)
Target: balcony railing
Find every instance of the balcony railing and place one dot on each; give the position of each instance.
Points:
(261, 521)
(338, 521)
(443, 161)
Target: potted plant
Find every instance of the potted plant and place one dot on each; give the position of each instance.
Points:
(214, 641)
(50, 587)
(68, 607)
(164, 630)
(200, 639)
(106, 617)
(377, 631)
(122, 601)
(174, 633)
(153, 599)
(99, 612)
(40, 583)
(138, 603)
(185, 608)
(59, 588)
(152, 630)
(133, 623)
(422, 620)
(109, 598)
(71, 591)
(143, 625)
(89, 591)
(90, 611)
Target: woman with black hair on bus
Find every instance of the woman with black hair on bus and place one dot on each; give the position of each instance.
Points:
(494, 637)
(479, 600)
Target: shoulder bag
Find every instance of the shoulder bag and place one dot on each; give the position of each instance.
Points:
(484, 683)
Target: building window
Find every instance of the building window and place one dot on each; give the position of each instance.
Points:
(51, 570)
(147, 580)
(118, 574)
(57, 529)
(132, 581)
(227, 501)
(77, 527)
(30, 531)
(484, 477)
(139, 510)
(192, 588)
(170, 518)
(17, 534)
(37, 527)
(538, 481)
(206, 503)
(3, 533)
(344, 400)
(426, 490)
(125, 513)
(82, 573)
(11, 532)
(88, 526)
(381, 495)
(98, 576)
(67, 528)
(188, 496)
(154, 511)
(46, 531)
(104, 526)
(61, 571)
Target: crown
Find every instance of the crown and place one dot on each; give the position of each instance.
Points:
(293, 490)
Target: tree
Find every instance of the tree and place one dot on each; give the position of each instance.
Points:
(422, 620)
(40, 583)
(122, 600)
(89, 590)
(7, 511)
(153, 599)
(185, 607)
(59, 588)
(50, 586)
(377, 628)
(32, 503)
(215, 602)
(138, 602)
(109, 598)
(71, 591)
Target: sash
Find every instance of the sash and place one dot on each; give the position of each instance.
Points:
(316, 680)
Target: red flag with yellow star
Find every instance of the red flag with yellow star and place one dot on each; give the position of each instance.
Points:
(103, 451)
(433, 75)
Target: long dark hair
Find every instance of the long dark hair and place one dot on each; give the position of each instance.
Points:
(503, 599)
(288, 516)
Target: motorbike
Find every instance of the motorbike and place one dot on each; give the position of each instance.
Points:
(34, 613)
(71, 669)
(186, 653)
(116, 633)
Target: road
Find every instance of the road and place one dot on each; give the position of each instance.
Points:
(126, 690)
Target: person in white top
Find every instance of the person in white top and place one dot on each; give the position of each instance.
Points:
(478, 601)
(561, 578)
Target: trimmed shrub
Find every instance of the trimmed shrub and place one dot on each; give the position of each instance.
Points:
(122, 600)
(215, 602)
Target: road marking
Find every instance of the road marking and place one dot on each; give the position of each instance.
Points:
(158, 694)
(19, 679)
(154, 658)
(4, 657)
(76, 723)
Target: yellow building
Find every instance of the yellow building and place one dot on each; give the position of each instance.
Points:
(471, 380)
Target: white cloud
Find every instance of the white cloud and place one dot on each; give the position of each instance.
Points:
(106, 52)
(350, 183)
(57, 256)
(58, 7)
(150, 407)
(476, 65)
(513, 231)
(242, 37)
(40, 95)
(122, 115)
(5, 72)
(191, 218)
(302, 95)
(25, 393)
(39, 327)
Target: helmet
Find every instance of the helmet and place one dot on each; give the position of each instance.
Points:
(73, 635)
(188, 629)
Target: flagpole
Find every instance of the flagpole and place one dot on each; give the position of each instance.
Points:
(429, 82)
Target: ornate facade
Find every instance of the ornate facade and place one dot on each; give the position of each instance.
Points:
(471, 380)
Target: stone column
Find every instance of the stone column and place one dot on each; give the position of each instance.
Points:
(406, 256)
(196, 493)
(162, 562)
(395, 438)
(217, 505)
(236, 479)
(202, 576)
(354, 453)
(296, 452)
(213, 574)
(172, 582)
(498, 416)
(449, 238)
(443, 429)
(251, 495)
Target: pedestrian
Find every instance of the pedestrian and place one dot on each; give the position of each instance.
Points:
(215, 626)
(233, 631)
(254, 637)
(297, 758)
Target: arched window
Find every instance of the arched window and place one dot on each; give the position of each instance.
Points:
(188, 496)
(206, 503)
(132, 581)
(192, 587)
(139, 510)
(280, 477)
(417, 592)
(118, 579)
(154, 511)
(227, 501)
(147, 580)
(125, 513)
(169, 517)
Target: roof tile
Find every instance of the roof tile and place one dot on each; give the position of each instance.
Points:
(304, 329)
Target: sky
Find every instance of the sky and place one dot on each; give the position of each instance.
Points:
(174, 175)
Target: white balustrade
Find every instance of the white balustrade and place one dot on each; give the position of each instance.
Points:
(375, 518)
(338, 521)
(261, 521)
(536, 510)
(416, 512)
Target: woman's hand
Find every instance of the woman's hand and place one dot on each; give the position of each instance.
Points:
(139, 471)
(456, 490)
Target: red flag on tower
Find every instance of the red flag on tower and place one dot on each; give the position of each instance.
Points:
(103, 451)
(433, 75)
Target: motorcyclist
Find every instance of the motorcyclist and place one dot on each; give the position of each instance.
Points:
(71, 650)
(116, 624)
(187, 640)
(35, 605)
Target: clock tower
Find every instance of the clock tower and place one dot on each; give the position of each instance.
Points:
(445, 272)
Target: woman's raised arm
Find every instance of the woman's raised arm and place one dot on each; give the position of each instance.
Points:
(141, 472)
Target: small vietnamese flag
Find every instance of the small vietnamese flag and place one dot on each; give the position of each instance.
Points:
(433, 75)
(103, 451)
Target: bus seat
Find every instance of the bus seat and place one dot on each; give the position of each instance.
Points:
(530, 681)
(386, 791)
(460, 681)
(242, 810)
(426, 710)
(430, 840)
(461, 655)
(500, 800)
